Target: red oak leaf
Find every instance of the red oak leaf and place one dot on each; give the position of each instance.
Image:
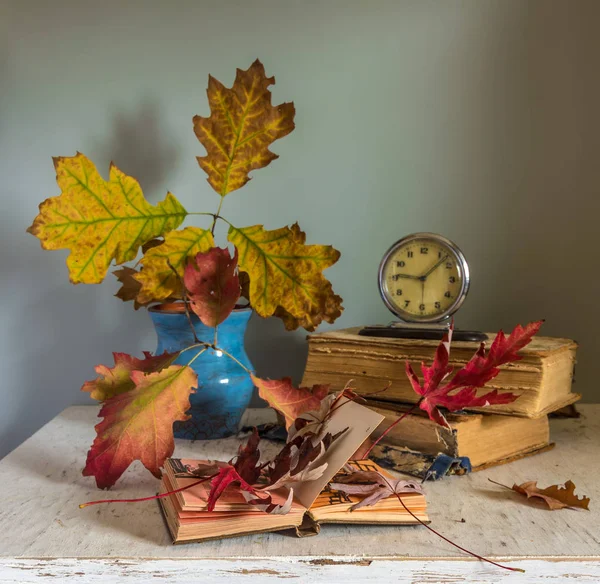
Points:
(475, 374)
(291, 402)
(116, 380)
(213, 285)
(138, 424)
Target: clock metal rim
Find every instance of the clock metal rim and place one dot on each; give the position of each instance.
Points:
(462, 265)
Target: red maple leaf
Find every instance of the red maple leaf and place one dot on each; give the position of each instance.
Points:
(475, 374)
(226, 476)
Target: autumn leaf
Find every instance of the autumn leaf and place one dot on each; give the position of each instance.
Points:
(242, 471)
(138, 424)
(157, 279)
(332, 309)
(227, 476)
(116, 380)
(100, 221)
(212, 285)
(475, 374)
(556, 496)
(286, 276)
(373, 486)
(152, 243)
(266, 505)
(130, 287)
(242, 125)
(282, 396)
(247, 461)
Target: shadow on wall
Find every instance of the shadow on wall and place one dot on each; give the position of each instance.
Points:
(275, 352)
(140, 146)
(76, 327)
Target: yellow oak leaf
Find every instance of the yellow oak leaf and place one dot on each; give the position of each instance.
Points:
(157, 279)
(242, 125)
(286, 274)
(331, 311)
(100, 221)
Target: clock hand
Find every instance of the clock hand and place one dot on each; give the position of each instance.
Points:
(396, 276)
(434, 267)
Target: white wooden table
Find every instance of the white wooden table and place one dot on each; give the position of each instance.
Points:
(45, 537)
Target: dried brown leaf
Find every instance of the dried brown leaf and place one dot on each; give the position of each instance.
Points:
(555, 496)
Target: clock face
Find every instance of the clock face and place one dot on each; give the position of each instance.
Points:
(423, 278)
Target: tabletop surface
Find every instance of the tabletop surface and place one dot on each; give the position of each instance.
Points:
(41, 487)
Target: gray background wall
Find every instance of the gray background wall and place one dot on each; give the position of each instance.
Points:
(476, 119)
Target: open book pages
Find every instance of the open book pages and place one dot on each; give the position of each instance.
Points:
(188, 519)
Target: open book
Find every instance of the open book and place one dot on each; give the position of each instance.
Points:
(314, 502)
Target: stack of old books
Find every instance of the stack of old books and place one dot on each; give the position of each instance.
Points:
(480, 437)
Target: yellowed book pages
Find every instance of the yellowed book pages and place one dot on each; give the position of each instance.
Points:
(542, 379)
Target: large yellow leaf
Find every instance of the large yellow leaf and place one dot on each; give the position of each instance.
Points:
(242, 125)
(100, 221)
(156, 276)
(286, 275)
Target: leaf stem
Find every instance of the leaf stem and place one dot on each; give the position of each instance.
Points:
(216, 348)
(412, 409)
(445, 538)
(500, 484)
(185, 300)
(160, 496)
(212, 229)
(249, 371)
(208, 214)
(196, 356)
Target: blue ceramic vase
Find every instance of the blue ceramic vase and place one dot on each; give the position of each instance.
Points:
(224, 388)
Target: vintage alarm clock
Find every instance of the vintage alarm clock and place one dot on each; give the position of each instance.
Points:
(423, 279)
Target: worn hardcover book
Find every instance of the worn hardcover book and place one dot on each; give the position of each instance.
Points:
(485, 439)
(188, 519)
(314, 502)
(542, 378)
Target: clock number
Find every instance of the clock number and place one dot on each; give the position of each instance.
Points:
(438, 305)
(406, 303)
(425, 250)
(400, 264)
(409, 254)
(439, 254)
(452, 279)
(398, 292)
(421, 307)
(449, 265)
(447, 295)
